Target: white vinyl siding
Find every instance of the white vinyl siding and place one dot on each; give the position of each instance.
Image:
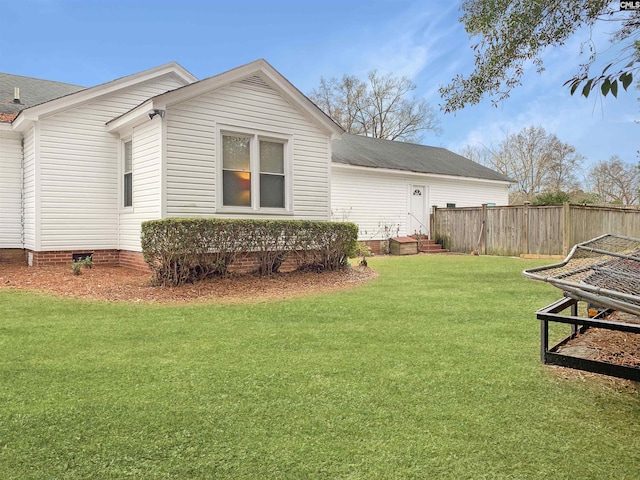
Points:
(375, 200)
(248, 104)
(29, 188)
(79, 170)
(147, 179)
(10, 190)
(466, 193)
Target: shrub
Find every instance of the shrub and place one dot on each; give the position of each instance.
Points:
(324, 245)
(78, 263)
(187, 250)
(364, 251)
(76, 268)
(551, 198)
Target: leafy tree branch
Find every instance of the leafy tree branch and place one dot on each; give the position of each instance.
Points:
(513, 34)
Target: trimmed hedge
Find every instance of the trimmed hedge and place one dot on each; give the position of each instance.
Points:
(184, 250)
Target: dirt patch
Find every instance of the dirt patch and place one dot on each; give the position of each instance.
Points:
(605, 382)
(116, 284)
(601, 344)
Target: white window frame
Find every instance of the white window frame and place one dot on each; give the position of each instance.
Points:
(123, 163)
(255, 137)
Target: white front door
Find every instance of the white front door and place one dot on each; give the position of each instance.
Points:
(418, 222)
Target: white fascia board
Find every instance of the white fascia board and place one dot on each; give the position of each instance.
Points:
(289, 91)
(132, 118)
(173, 97)
(390, 171)
(216, 82)
(78, 98)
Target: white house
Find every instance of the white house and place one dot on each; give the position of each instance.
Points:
(389, 188)
(81, 168)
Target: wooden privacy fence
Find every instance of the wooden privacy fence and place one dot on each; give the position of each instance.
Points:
(525, 229)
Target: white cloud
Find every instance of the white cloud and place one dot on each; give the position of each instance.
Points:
(410, 42)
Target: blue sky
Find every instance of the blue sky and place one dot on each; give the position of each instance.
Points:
(91, 42)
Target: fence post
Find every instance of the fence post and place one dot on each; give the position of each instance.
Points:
(525, 228)
(566, 228)
(432, 223)
(483, 226)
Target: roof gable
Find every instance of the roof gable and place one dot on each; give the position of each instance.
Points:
(88, 94)
(370, 152)
(255, 72)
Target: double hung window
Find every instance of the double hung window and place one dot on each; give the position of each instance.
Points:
(127, 177)
(272, 185)
(254, 171)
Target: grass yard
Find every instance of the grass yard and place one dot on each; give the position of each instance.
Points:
(430, 371)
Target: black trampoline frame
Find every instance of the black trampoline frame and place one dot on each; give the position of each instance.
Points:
(551, 356)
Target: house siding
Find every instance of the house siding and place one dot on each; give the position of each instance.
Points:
(191, 148)
(378, 202)
(10, 190)
(29, 188)
(466, 193)
(190, 160)
(147, 178)
(79, 171)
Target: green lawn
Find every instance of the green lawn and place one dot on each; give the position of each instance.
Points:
(430, 371)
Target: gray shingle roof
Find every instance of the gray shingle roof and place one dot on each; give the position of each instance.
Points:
(376, 153)
(33, 91)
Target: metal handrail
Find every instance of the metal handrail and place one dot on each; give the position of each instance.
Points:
(422, 224)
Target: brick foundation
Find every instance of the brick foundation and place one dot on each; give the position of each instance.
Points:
(118, 258)
(133, 260)
(13, 255)
(64, 257)
(107, 258)
(249, 263)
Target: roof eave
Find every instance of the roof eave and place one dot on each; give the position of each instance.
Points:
(132, 118)
(88, 94)
(287, 89)
(392, 171)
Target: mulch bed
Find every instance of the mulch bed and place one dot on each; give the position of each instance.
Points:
(620, 348)
(116, 284)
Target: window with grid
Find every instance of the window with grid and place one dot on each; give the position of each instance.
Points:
(127, 180)
(254, 171)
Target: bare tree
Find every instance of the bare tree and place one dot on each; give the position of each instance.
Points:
(342, 100)
(536, 160)
(481, 154)
(615, 181)
(379, 107)
(564, 166)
